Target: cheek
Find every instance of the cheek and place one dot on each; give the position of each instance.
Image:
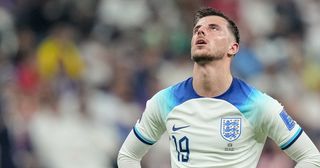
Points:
(192, 43)
(220, 43)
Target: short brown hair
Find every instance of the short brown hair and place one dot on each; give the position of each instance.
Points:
(203, 12)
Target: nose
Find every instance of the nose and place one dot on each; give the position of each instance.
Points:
(201, 31)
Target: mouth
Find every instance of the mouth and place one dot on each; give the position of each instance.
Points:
(201, 42)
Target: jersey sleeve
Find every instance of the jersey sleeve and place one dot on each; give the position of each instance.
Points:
(304, 152)
(151, 125)
(277, 124)
(131, 152)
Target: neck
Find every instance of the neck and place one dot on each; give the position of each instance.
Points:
(211, 79)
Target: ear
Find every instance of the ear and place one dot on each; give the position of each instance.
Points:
(234, 48)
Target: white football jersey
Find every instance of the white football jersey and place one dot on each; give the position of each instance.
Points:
(224, 131)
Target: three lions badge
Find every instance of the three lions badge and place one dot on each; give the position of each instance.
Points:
(230, 128)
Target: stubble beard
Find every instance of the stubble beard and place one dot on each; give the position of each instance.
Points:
(205, 59)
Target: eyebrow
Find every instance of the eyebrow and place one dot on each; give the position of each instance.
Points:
(210, 25)
(213, 25)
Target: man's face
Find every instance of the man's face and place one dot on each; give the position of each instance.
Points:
(211, 39)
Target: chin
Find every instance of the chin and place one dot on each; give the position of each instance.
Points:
(200, 51)
(205, 58)
(201, 54)
(202, 59)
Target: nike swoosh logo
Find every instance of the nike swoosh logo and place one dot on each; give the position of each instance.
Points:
(174, 128)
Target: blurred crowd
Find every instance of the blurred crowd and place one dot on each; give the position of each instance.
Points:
(75, 74)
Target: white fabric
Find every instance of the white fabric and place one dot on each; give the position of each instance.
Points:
(225, 131)
(132, 152)
(304, 152)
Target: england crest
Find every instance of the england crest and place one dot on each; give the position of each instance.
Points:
(230, 128)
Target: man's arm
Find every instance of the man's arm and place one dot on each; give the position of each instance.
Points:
(144, 134)
(287, 134)
(304, 152)
(132, 152)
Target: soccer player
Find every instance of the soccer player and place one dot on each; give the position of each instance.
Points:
(214, 119)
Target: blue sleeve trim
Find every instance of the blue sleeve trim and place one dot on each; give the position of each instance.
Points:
(141, 138)
(292, 140)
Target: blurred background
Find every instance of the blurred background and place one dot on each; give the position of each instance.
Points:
(75, 75)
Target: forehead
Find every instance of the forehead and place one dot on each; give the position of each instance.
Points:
(207, 20)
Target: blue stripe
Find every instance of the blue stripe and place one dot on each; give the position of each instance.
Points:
(292, 140)
(141, 138)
